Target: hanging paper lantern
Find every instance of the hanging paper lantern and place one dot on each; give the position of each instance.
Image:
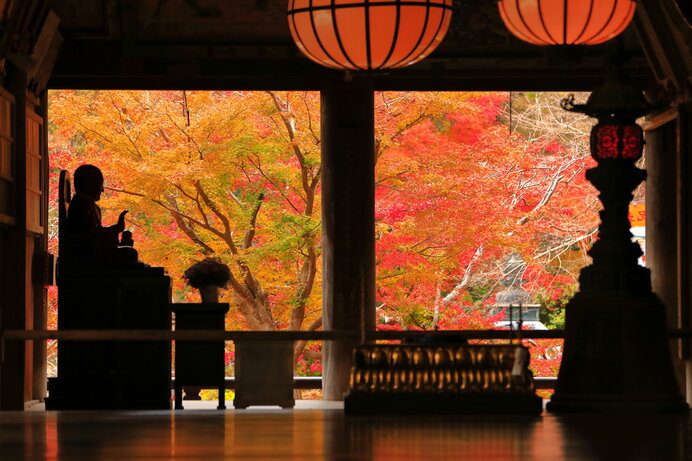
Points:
(368, 34)
(566, 22)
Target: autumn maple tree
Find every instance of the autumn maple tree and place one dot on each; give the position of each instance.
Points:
(460, 190)
(462, 181)
(231, 174)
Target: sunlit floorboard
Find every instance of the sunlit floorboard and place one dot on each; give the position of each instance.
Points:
(320, 431)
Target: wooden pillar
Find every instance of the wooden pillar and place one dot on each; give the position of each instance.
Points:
(40, 291)
(662, 222)
(664, 37)
(15, 270)
(684, 228)
(348, 225)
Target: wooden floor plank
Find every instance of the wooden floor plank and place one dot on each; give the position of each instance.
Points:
(327, 434)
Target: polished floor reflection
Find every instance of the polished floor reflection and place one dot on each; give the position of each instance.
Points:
(326, 434)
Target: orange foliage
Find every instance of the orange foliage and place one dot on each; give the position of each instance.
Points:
(237, 175)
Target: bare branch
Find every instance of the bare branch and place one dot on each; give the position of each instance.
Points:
(300, 345)
(250, 234)
(456, 291)
(115, 189)
(188, 230)
(276, 186)
(306, 281)
(215, 209)
(123, 124)
(289, 124)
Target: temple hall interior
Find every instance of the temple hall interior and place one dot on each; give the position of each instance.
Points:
(626, 377)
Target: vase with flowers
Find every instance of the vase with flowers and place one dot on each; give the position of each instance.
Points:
(208, 275)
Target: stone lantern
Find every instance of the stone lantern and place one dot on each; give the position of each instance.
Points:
(515, 300)
(616, 353)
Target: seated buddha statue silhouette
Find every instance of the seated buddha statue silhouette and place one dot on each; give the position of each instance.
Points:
(90, 244)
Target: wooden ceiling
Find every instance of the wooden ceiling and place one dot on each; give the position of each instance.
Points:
(246, 44)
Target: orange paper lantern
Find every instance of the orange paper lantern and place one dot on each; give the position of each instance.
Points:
(368, 34)
(566, 22)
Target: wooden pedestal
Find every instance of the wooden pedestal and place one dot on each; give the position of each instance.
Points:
(199, 363)
(113, 374)
(263, 374)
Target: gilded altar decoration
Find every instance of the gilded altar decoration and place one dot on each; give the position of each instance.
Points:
(441, 378)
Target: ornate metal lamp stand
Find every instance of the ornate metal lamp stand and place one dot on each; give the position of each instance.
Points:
(616, 354)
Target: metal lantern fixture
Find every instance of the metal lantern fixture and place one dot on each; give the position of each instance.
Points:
(614, 140)
(368, 34)
(616, 105)
(566, 22)
(615, 318)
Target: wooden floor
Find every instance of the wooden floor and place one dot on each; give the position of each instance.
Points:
(322, 432)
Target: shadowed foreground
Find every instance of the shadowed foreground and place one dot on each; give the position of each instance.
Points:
(320, 431)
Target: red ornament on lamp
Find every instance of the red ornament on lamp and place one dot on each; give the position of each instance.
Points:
(368, 34)
(613, 140)
(566, 22)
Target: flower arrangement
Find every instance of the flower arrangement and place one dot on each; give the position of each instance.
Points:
(209, 271)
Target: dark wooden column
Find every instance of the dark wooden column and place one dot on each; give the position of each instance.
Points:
(40, 291)
(348, 225)
(684, 222)
(15, 270)
(661, 221)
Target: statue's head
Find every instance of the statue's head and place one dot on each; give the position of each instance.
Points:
(88, 180)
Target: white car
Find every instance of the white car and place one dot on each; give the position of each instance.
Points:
(526, 325)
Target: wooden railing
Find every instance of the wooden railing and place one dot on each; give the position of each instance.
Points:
(215, 335)
(312, 382)
(315, 382)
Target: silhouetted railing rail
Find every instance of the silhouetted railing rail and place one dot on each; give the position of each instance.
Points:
(313, 382)
(180, 335)
(299, 382)
(215, 335)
